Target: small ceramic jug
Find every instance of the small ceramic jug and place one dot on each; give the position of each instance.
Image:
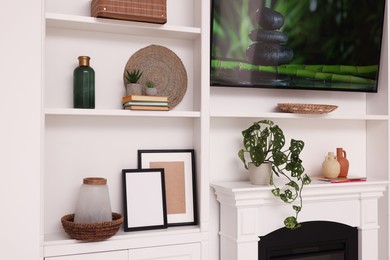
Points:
(331, 167)
(344, 163)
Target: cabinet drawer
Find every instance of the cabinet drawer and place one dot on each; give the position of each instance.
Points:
(117, 255)
(177, 252)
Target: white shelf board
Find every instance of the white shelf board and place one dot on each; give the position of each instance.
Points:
(119, 112)
(61, 244)
(85, 23)
(300, 116)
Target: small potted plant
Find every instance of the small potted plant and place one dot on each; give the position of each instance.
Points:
(150, 88)
(263, 144)
(132, 86)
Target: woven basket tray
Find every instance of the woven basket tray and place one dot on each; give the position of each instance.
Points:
(306, 108)
(91, 232)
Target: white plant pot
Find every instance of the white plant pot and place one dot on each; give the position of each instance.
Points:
(260, 175)
(151, 91)
(133, 89)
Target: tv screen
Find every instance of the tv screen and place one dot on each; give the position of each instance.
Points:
(297, 44)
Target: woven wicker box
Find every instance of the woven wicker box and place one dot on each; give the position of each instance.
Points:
(152, 11)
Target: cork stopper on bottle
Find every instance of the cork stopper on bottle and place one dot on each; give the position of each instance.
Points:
(95, 181)
(84, 61)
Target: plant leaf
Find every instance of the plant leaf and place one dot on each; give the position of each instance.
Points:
(241, 155)
(276, 192)
(257, 155)
(291, 223)
(294, 185)
(279, 157)
(289, 194)
(306, 180)
(283, 197)
(297, 208)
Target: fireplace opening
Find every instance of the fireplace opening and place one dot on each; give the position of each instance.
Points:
(314, 240)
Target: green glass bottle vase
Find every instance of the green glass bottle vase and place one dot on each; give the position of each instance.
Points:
(84, 84)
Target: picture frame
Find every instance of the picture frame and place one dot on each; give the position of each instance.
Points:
(180, 186)
(144, 199)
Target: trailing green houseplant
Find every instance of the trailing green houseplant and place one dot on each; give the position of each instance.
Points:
(264, 142)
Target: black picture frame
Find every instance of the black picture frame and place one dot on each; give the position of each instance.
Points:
(180, 172)
(144, 199)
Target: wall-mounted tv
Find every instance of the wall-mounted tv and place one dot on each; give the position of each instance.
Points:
(297, 44)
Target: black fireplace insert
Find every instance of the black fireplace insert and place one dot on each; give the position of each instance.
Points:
(314, 240)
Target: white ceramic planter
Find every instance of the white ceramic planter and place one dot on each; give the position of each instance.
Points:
(134, 89)
(151, 91)
(260, 175)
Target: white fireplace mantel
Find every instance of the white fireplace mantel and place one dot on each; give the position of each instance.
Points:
(248, 211)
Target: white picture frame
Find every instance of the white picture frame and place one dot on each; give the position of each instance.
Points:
(144, 199)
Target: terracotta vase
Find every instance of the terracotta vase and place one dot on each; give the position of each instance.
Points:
(330, 166)
(344, 163)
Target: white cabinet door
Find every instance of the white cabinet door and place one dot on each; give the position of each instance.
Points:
(114, 255)
(177, 252)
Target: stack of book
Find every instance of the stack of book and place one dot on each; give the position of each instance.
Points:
(143, 102)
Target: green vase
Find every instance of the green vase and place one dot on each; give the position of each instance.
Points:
(84, 84)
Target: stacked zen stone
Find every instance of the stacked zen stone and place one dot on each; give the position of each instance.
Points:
(269, 48)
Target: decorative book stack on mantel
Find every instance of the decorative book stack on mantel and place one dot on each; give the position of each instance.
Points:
(343, 179)
(143, 102)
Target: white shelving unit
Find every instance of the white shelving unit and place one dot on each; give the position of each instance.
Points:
(360, 125)
(80, 143)
(103, 141)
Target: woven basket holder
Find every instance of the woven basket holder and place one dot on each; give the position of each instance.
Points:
(94, 231)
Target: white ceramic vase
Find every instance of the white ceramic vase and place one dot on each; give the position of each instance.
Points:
(330, 166)
(260, 175)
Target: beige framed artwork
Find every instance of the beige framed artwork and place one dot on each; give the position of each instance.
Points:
(179, 169)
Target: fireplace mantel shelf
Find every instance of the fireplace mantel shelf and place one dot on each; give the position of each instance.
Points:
(246, 193)
(249, 211)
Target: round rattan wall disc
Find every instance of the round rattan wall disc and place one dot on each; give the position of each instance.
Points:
(162, 66)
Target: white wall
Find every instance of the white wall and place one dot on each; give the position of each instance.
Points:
(20, 114)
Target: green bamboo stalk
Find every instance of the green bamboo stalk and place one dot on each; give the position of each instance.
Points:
(338, 69)
(337, 73)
